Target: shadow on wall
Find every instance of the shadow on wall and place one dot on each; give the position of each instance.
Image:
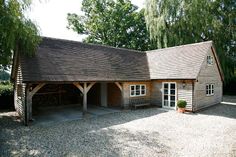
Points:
(89, 137)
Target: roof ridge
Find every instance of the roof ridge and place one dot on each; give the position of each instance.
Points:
(91, 44)
(179, 46)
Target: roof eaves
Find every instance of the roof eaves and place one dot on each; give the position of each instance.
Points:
(180, 46)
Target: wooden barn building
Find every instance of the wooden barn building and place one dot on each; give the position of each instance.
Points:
(67, 72)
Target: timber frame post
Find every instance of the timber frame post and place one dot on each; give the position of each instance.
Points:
(29, 95)
(120, 86)
(84, 90)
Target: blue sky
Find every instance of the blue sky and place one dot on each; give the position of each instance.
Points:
(50, 16)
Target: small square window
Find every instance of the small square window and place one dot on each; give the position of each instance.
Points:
(209, 89)
(209, 60)
(137, 90)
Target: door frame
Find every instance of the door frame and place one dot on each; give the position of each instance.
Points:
(168, 107)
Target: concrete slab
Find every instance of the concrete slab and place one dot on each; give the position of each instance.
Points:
(97, 110)
(47, 116)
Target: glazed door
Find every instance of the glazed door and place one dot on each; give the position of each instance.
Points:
(169, 95)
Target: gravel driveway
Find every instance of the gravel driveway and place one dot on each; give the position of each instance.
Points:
(143, 132)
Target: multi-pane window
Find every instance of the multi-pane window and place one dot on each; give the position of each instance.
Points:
(137, 90)
(209, 89)
(209, 60)
(169, 95)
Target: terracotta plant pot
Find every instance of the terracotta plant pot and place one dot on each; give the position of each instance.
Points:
(181, 110)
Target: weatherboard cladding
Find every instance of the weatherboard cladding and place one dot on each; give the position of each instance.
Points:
(63, 60)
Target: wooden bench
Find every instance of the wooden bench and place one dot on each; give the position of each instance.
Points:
(140, 105)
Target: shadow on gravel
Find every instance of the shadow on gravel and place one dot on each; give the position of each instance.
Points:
(13, 136)
(229, 98)
(98, 136)
(223, 110)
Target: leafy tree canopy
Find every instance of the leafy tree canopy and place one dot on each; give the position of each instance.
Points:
(177, 22)
(16, 31)
(116, 23)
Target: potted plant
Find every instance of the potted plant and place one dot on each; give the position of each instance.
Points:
(181, 105)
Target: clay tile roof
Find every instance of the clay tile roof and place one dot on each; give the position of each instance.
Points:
(179, 62)
(64, 60)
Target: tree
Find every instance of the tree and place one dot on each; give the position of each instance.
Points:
(177, 22)
(114, 23)
(17, 33)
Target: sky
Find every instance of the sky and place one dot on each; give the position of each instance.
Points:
(50, 16)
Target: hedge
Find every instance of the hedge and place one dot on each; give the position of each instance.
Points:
(6, 88)
(6, 95)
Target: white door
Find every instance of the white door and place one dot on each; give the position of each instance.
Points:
(169, 95)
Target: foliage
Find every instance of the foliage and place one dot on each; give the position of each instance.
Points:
(16, 31)
(181, 103)
(109, 22)
(177, 22)
(6, 88)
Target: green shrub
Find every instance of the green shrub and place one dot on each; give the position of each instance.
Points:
(6, 88)
(181, 103)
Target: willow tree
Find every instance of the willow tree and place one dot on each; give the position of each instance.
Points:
(16, 31)
(177, 22)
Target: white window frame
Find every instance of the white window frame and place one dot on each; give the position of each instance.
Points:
(209, 89)
(140, 89)
(209, 60)
(168, 107)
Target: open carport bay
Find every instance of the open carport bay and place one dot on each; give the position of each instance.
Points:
(59, 114)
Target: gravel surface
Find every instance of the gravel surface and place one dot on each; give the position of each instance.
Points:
(143, 132)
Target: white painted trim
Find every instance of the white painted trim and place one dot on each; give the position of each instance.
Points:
(211, 93)
(145, 90)
(212, 60)
(168, 107)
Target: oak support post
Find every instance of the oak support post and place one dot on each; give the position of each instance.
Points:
(28, 104)
(29, 108)
(84, 90)
(85, 99)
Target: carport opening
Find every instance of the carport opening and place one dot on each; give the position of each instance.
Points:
(94, 95)
(111, 94)
(55, 96)
(62, 102)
